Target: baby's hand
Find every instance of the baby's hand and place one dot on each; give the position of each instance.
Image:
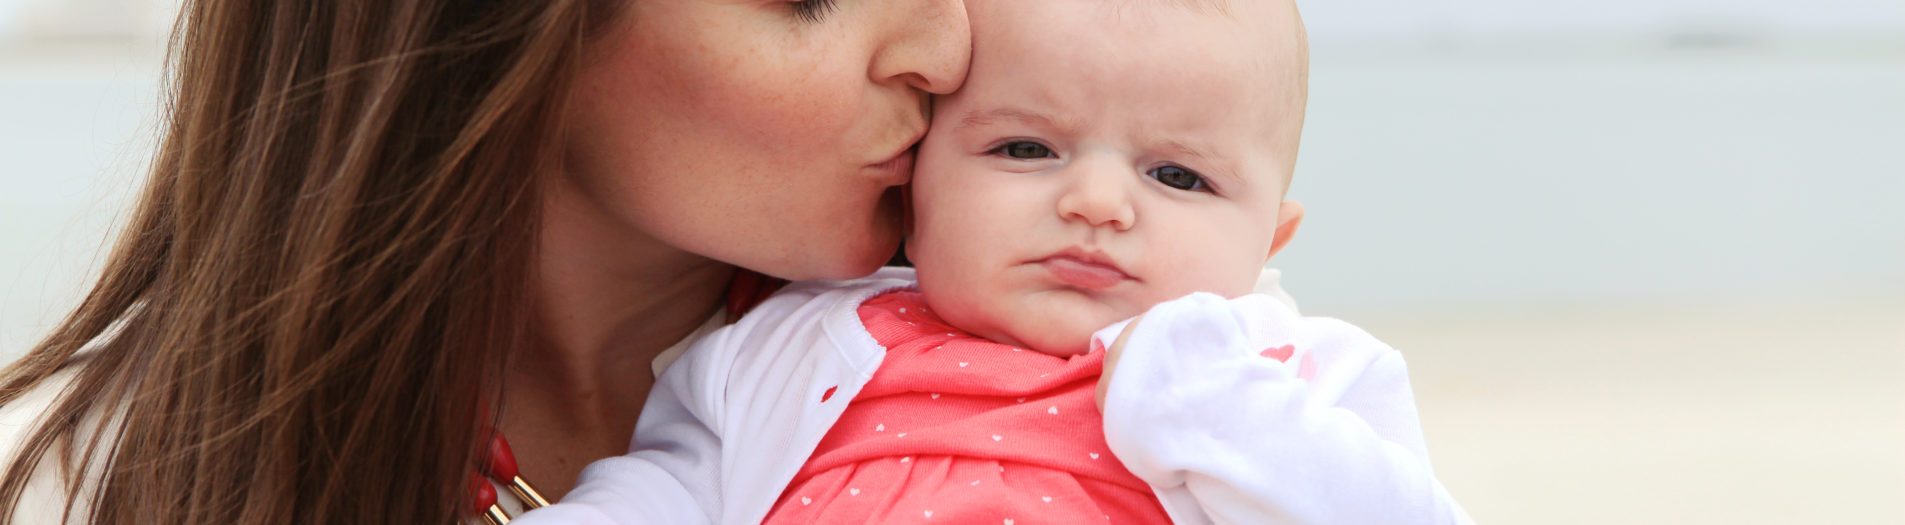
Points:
(1111, 359)
(1253, 306)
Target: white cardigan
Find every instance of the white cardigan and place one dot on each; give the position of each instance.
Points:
(1223, 434)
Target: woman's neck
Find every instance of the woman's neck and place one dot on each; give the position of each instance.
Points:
(607, 301)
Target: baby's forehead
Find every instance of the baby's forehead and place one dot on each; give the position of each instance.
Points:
(1252, 38)
(1214, 7)
(1174, 63)
(1277, 21)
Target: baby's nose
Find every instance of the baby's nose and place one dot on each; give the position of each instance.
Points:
(1098, 197)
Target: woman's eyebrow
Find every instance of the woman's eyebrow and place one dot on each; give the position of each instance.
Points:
(1023, 116)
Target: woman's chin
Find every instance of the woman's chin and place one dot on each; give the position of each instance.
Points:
(863, 254)
(851, 259)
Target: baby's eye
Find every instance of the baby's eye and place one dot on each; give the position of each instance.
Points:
(1180, 178)
(1020, 149)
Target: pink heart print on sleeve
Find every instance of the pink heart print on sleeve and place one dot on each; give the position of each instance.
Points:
(1305, 369)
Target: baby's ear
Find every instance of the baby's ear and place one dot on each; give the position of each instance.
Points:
(1289, 217)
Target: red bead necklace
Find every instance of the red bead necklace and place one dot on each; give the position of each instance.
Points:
(499, 464)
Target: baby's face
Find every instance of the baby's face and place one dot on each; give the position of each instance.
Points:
(1103, 157)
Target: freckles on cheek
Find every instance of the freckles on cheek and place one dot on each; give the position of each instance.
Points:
(793, 105)
(760, 99)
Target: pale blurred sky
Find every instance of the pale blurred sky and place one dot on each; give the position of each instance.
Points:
(1375, 17)
(1357, 18)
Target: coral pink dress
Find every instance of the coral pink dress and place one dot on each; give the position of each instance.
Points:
(957, 429)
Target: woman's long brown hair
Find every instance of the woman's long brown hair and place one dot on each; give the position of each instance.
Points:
(308, 313)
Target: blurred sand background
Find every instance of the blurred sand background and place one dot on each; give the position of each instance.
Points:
(1647, 259)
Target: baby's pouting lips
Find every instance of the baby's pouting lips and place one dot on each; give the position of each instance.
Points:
(1083, 268)
(1084, 274)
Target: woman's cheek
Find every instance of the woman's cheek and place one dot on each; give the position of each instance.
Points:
(808, 116)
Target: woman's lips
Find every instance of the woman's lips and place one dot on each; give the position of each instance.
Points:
(1082, 273)
(897, 170)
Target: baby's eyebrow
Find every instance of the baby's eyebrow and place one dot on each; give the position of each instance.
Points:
(1024, 116)
(1210, 164)
(1187, 150)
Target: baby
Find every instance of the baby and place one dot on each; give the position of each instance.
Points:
(1103, 160)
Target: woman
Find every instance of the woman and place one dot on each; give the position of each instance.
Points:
(375, 229)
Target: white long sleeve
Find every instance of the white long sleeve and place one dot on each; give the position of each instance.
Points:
(731, 421)
(1226, 435)
(672, 479)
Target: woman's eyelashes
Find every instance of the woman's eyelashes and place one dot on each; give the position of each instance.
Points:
(813, 11)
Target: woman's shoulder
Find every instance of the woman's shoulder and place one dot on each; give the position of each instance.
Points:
(888, 278)
(43, 498)
(823, 305)
(818, 318)
(19, 417)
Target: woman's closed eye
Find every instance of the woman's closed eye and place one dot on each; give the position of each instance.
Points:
(1023, 150)
(1179, 177)
(813, 11)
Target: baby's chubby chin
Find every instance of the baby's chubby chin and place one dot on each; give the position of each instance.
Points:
(1063, 333)
(1060, 341)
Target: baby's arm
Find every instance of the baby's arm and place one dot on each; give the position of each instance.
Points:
(1225, 434)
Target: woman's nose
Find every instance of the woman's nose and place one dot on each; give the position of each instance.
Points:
(932, 51)
(1098, 196)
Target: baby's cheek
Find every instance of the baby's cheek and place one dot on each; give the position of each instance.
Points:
(1227, 280)
(1225, 262)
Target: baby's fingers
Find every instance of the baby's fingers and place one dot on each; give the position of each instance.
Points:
(1111, 359)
